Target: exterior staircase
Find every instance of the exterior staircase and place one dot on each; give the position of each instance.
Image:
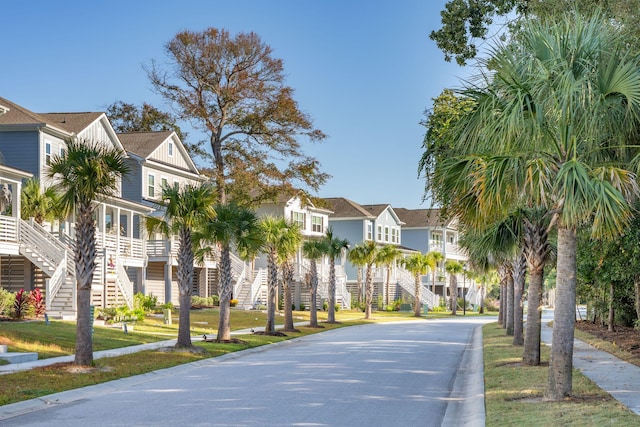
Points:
(406, 280)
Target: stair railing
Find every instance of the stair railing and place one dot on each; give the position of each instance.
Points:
(406, 280)
(124, 284)
(259, 281)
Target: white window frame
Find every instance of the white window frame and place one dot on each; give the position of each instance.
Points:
(299, 218)
(317, 228)
(379, 233)
(164, 182)
(170, 149)
(151, 185)
(386, 234)
(47, 153)
(369, 231)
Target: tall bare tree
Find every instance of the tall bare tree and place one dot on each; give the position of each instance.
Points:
(232, 89)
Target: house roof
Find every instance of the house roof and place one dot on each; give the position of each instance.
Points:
(375, 210)
(420, 218)
(143, 143)
(17, 115)
(345, 208)
(72, 122)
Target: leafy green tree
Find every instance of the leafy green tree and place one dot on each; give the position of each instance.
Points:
(335, 247)
(435, 258)
(367, 253)
(126, 117)
(387, 256)
(185, 211)
(358, 257)
(418, 264)
(534, 139)
(38, 203)
(232, 227)
(314, 250)
(232, 88)
(86, 172)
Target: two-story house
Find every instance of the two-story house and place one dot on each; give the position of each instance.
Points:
(313, 222)
(158, 159)
(28, 141)
(425, 230)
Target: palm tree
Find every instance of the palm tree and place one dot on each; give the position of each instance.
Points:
(288, 248)
(86, 172)
(274, 230)
(550, 129)
(386, 256)
(335, 246)
(232, 226)
(453, 268)
(41, 205)
(186, 210)
(435, 258)
(369, 252)
(418, 264)
(314, 250)
(357, 257)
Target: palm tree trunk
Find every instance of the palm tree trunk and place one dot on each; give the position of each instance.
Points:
(636, 285)
(559, 384)
(185, 281)
(331, 309)
(272, 283)
(611, 326)
(510, 302)
(386, 288)
(85, 259)
(453, 291)
(536, 249)
(502, 301)
(418, 295)
(287, 280)
(368, 294)
(481, 310)
(224, 327)
(519, 271)
(313, 287)
(359, 284)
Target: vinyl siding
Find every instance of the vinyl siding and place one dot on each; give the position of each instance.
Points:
(20, 150)
(132, 182)
(161, 154)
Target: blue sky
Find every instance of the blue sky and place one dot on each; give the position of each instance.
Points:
(364, 70)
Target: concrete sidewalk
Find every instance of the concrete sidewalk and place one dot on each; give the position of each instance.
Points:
(618, 378)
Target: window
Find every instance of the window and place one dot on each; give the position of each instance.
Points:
(369, 231)
(47, 153)
(176, 184)
(170, 149)
(151, 186)
(164, 182)
(394, 235)
(298, 218)
(316, 224)
(62, 151)
(386, 234)
(380, 233)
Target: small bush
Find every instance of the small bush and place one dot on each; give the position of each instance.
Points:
(210, 301)
(302, 307)
(389, 307)
(37, 302)
(337, 308)
(6, 302)
(147, 303)
(233, 302)
(491, 304)
(325, 305)
(20, 305)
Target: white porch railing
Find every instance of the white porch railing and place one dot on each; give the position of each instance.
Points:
(124, 284)
(258, 283)
(406, 280)
(55, 282)
(8, 229)
(341, 289)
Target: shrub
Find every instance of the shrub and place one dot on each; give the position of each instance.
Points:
(37, 302)
(302, 307)
(167, 306)
(147, 303)
(389, 307)
(20, 304)
(233, 302)
(337, 308)
(396, 304)
(6, 302)
(325, 305)
(491, 304)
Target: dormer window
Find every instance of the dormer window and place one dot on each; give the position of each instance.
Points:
(151, 186)
(170, 149)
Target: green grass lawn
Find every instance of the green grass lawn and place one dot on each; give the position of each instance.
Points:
(513, 392)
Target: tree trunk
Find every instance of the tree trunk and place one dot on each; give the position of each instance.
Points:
(559, 384)
(502, 301)
(359, 284)
(287, 280)
(85, 259)
(368, 294)
(418, 291)
(185, 281)
(611, 326)
(519, 272)
(272, 284)
(313, 286)
(224, 326)
(636, 285)
(331, 309)
(453, 291)
(510, 302)
(386, 287)
(481, 311)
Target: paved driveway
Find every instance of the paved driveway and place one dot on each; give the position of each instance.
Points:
(393, 374)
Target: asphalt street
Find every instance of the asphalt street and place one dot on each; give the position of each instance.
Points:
(423, 373)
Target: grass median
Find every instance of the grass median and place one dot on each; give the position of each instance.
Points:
(514, 392)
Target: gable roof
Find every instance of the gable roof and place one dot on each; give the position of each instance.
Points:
(345, 208)
(143, 143)
(72, 122)
(420, 218)
(16, 115)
